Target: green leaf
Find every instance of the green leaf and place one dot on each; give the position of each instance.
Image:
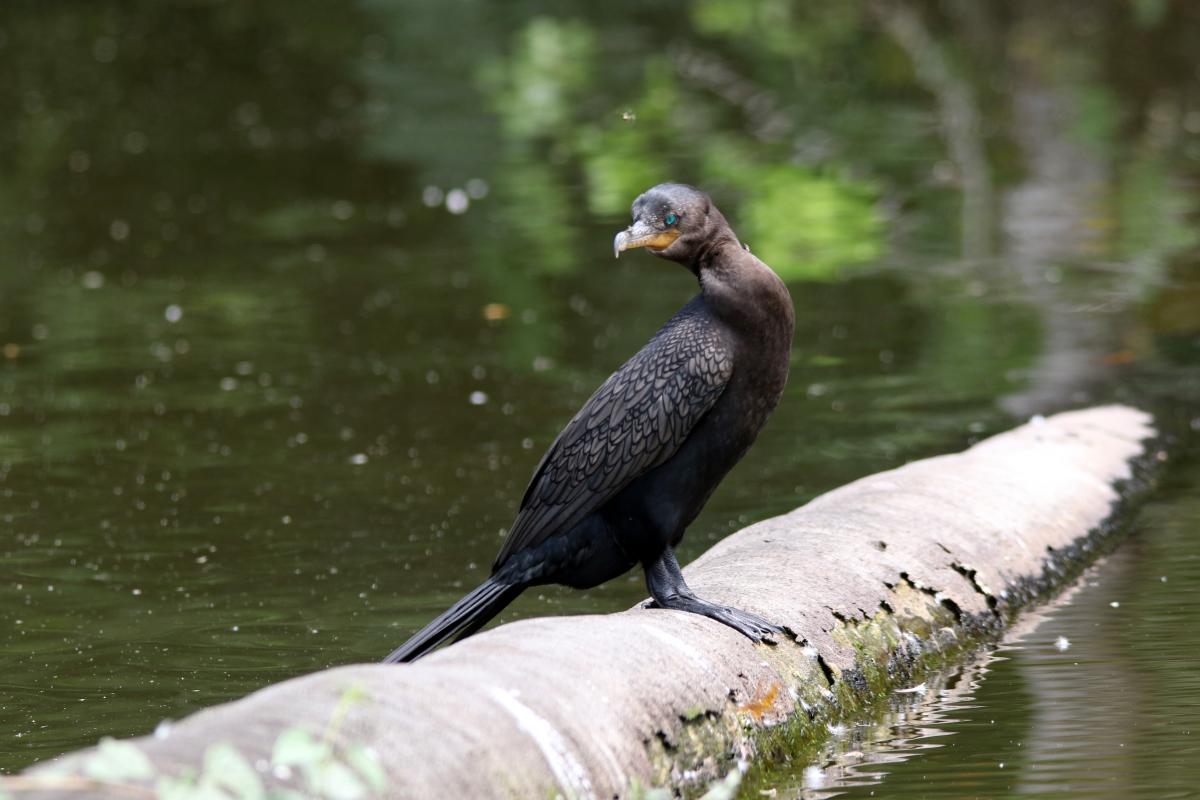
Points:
(285, 794)
(336, 781)
(658, 793)
(118, 762)
(367, 763)
(725, 789)
(226, 767)
(297, 747)
(639, 792)
(355, 693)
(169, 787)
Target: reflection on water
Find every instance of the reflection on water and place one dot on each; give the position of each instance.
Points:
(858, 757)
(1095, 696)
(292, 297)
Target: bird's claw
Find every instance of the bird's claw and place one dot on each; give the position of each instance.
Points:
(752, 626)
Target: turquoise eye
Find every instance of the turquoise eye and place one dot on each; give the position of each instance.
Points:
(671, 219)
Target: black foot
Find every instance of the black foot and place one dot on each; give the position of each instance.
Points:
(665, 582)
(752, 626)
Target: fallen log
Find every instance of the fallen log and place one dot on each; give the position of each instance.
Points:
(875, 582)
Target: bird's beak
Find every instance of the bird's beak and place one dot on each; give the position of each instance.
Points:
(642, 234)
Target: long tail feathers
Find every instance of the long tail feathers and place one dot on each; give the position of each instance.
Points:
(460, 620)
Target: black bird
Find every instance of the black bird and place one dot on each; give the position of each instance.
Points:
(630, 472)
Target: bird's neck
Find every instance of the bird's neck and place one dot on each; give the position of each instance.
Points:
(717, 250)
(741, 289)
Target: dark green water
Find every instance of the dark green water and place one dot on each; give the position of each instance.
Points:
(293, 295)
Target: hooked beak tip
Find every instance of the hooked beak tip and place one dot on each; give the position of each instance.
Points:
(619, 243)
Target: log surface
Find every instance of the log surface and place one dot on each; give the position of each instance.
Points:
(886, 570)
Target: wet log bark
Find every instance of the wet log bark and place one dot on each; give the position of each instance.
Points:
(875, 582)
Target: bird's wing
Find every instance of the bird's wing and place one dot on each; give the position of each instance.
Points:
(635, 421)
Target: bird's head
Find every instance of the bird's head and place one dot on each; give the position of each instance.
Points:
(674, 221)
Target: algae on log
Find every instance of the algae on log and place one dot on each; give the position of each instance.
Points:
(874, 582)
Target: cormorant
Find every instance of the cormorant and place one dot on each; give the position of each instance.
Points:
(630, 472)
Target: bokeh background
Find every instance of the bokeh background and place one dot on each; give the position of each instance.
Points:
(294, 294)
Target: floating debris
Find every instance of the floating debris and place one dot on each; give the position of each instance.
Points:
(457, 201)
(495, 312)
(1062, 644)
(432, 196)
(918, 689)
(477, 188)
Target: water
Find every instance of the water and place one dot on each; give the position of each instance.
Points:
(291, 301)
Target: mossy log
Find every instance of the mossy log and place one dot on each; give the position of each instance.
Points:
(875, 582)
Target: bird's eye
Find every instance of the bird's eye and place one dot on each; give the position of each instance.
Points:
(671, 219)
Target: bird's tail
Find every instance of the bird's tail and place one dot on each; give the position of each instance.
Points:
(460, 620)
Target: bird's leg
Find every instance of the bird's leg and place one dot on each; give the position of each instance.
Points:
(668, 590)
